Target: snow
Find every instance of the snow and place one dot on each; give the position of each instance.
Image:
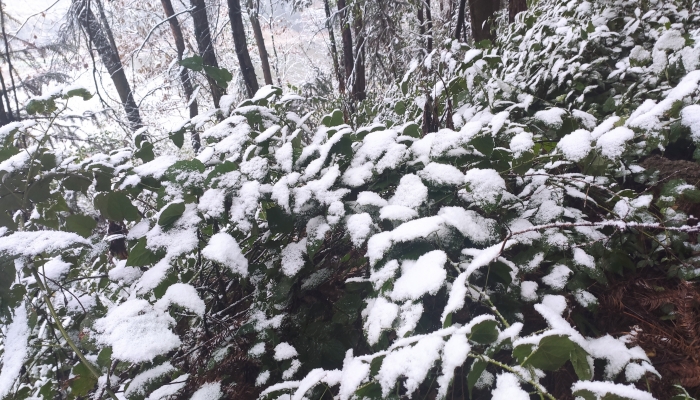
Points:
(359, 227)
(380, 314)
(262, 378)
(528, 290)
(16, 349)
(670, 40)
(30, 244)
(370, 199)
(224, 249)
(169, 390)
(601, 389)
(121, 272)
(289, 373)
(285, 351)
(19, 160)
(412, 362)
(583, 259)
(136, 318)
(612, 144)
(137, 386)
(293, 257)
(54, 270)
(508, 388)
(604, 126)
(211, 203)
(521, 143)
(425, 275)
(442, 174)
(397, 213)
(257, 350)
(576, 145)
(690, 117)
(454, 354)
(353, 374)
(183, 295)
(208, 391)
(469, 223)
(411, 192)
(558, 277)
(485, 185)
(155, 168)
(551, 117)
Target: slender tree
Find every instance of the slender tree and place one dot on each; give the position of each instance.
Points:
(481, 11)
(429, 22)
(359, 82)
(184, 73)
(460, 18)
(346, 36)
(239, 41)
(514, 8)
(253, 12)
(205, 45)
(334, 48)
(110, 58)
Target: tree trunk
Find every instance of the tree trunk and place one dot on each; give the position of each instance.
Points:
(480, 12)
(515, 7)
(180, 45)
(334, 48)
(359, 84)
(346, 36)
(429, 20)
(205, 45)
(239, 41)
(260, 41)
(460, 18)
(110, 59)
(184, 73)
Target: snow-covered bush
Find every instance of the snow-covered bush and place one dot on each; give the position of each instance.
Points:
(298, 257)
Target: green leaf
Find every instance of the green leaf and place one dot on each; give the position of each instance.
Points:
(279, 221)
(104, 358)
(484, 332)
(400, 108)
(81, 224)
(84, 382)
(478, 367)
(448, 321)
(372, 390)
(522, 352)
(178, 138)
(116, 206)
(141, 256)
(334, 119)
(551, 353)
(412, 130)
(222, 76)
(171, 213)
(483, 144)
(194, 63)
(580, 363)
(145, 153)
(40, 190)
(79, 92)
(78, 183)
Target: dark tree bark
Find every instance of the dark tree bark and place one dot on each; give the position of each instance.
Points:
(429, 20)
(460, 18)
(205, 45)
(260, 40)
(180, 46)
(515, 7)
(359, 84)
(239, 41)
(184, 73)
(334, 48)
(480, 12)
(110, 58)
(346, 36)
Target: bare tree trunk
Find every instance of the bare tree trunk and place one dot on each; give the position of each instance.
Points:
(105, 25)
(480, 12)
(514, 8)
(110, 58)
(334, 48)
(346, 36)
(184, 73)
(9, 68)
(239, 41)
(359, 84)
(260, 40)
(460, 18)
(429, 31)
(205, 45)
